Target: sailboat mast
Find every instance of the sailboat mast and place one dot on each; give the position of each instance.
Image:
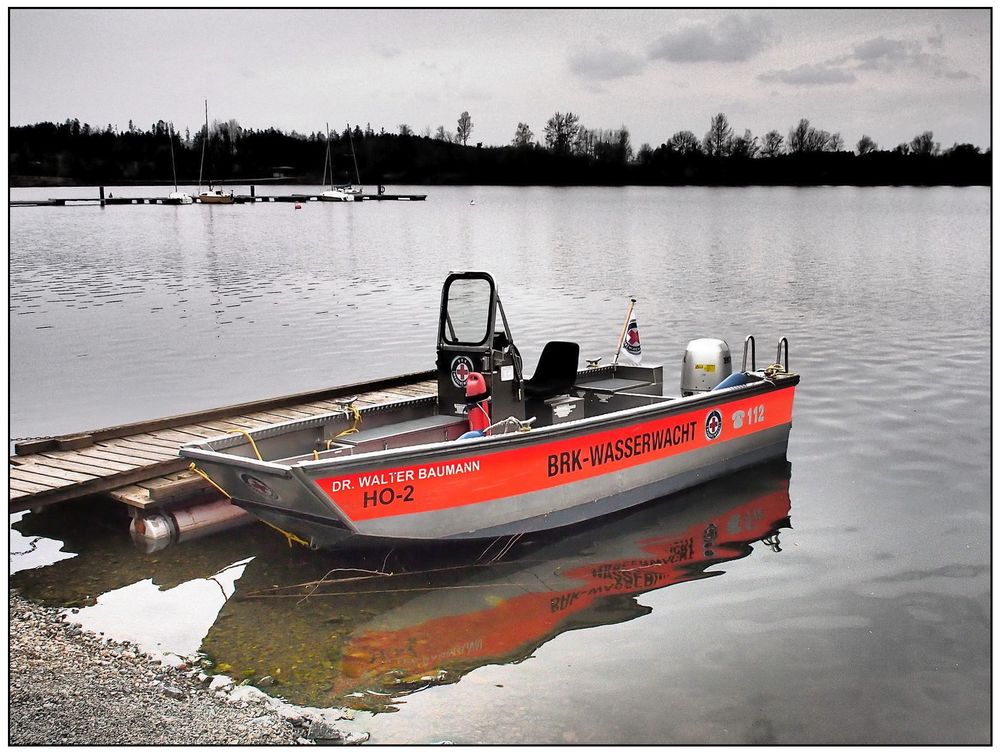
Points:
(173, 167)
(357, 175)
(326, 159)
(203, 141)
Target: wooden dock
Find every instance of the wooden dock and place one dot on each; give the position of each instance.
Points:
(138, 464)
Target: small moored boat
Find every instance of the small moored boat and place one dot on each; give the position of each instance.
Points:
(495, 453)
(343, 192)
(216, 196)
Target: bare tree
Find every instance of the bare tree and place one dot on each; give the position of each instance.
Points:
(464, 127)
(798, 137)
(771, 146)
(684, 143)
(717, 139)
(866, 145)
(561, 132)
(522, 135)
(924, 144)
(805, 138)
(746, 146)
(623, 145)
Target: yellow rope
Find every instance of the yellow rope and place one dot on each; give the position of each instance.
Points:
(252, 444)
(209, 480)
(774, 369)
(352, 429)
(291, 536)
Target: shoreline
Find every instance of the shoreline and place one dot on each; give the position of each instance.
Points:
(67, 686)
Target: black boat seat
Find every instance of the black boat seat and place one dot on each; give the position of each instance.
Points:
(556, 370)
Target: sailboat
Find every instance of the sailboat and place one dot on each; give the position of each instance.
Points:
(334, 193)
(357, 189)
(212, 195)
(176, 196)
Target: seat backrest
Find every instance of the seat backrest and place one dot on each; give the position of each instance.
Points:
(556, 370)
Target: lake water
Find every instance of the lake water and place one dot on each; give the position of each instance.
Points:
(843, 598)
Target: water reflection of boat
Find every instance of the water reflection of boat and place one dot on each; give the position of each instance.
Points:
(369, 639)
(564, 446)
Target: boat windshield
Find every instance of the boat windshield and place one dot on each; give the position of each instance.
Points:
(468, 303)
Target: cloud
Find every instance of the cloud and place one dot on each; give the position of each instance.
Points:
(878, 55)
(733, 39)
(881, 54)
(605, 64)
(886, 54)
(811, 74)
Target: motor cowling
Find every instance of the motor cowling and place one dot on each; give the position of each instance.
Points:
(478, 395)
(707, 362)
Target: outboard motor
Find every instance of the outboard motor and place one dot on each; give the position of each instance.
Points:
(478, 396)
(707, 363)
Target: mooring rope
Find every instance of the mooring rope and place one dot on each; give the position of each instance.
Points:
(290, 536)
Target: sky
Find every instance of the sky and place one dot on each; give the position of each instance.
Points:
(890, 74)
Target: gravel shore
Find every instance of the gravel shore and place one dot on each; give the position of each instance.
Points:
(67, 686)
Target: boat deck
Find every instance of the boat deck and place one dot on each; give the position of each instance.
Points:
(138, 464)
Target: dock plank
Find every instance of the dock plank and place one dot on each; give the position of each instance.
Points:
(57, 472)
(25, 487)
(109, 466)
(74, 465)
(181, 437)
(21, 475)
(149, 440)
(251, 421)
(133, 451)
(96, 452)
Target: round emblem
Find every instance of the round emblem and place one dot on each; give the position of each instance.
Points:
(258, 486)
(713, 425)
(460, 369)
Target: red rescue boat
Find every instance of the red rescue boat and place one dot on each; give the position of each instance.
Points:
(570, 444)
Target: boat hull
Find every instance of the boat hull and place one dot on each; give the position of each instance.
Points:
(523, 482)
(212, 199)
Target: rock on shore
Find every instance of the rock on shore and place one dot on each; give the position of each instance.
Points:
(67, 686)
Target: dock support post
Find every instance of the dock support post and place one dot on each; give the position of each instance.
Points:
(102, 196)
(253, 192)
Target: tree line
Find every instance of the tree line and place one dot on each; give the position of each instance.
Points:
(566, 153)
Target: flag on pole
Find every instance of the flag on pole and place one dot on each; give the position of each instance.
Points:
(630, 343)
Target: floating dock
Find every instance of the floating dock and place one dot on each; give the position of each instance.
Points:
(250, 198)
(138, 464)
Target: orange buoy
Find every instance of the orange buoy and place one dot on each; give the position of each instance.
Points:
(298, 206)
